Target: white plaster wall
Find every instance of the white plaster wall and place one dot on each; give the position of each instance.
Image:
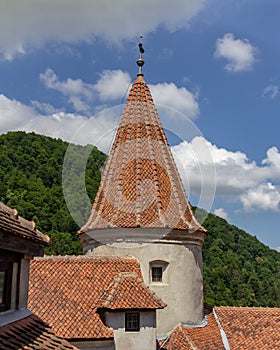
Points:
(23, 282)
(183, 292)
(144, 339)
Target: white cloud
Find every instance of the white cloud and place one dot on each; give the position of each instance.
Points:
(221, 213)
(180, 99)
(68, 87)
(237, 178)
(264, 197)
(96, 130)
(76, 90)
(273, 159)
(29, 24)
(240, 53)
(111, 85)
(278, 249)
(271, 91)
(13, 114)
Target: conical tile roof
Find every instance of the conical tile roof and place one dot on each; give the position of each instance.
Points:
(141, 186)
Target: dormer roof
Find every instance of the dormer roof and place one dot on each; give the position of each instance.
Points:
(128, 291)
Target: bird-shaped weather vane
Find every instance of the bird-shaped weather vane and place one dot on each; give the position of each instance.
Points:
(140, 61)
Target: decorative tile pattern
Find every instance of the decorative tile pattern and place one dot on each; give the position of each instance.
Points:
(65, 291)
(141, 186)
(128, 291)
(11, 222)
(31, 333)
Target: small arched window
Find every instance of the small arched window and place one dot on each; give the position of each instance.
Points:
(158, 272)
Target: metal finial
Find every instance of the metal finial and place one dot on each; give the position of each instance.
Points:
(140, 61)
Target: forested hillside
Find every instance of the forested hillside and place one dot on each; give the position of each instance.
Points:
(31, 180)
(238, 269)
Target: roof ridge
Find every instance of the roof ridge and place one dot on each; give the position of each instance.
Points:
(85, 257)
(249, 308)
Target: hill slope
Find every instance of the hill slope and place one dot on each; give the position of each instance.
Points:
(238, 269)
(31, 180)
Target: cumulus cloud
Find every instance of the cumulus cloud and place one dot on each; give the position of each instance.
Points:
(237, 178)
(68, 87)
(181, 99)
(271, 91)
(240, 53)
(13, 114)
(97, 130)
(112, 85)
(221, 213)
(29, 24)
(264, 197)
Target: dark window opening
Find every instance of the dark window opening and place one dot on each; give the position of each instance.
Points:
(6, 270)
(132, 321)
(156, 274)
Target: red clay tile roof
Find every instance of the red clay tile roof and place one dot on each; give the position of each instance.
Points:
(190, 338)
(251, 328)
(64, 292)
(141, 186)
(128, 291)
(31, 333)
(11, 222)
(246, 328)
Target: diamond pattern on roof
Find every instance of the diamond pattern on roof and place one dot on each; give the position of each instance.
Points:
(141, 186)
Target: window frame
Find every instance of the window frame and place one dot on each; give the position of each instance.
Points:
(128, 322)
(156, 276)
(163, 265)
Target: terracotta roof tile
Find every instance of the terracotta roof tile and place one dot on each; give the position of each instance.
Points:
(141, 186)
(64, 292)
(245, 328)
(31, 333)
(186, 337)
(128, 291)
(251, 328)
(11, 222)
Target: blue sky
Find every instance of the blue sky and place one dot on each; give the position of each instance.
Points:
(213, 69)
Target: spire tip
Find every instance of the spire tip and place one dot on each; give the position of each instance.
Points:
(140, 61)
